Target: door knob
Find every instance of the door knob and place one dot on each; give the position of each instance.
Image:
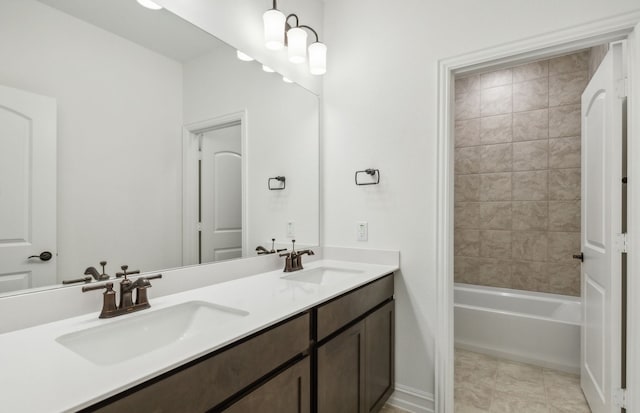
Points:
(579, 257)
(44, 256)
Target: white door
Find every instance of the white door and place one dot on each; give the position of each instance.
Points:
(601, 221)
(221, 194)
(27, 189)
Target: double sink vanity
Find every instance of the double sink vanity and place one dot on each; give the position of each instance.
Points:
(315, 340)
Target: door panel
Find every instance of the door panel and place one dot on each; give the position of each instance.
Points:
(221, 194)
(601, 220)
(27, 189)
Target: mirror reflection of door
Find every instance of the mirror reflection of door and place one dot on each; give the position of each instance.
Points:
(27, 189)
(221, 193)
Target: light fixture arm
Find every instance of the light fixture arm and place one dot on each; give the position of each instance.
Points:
(304, 26)
(287, 25)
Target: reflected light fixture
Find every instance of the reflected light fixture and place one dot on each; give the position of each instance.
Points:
(286, 79)
(274, 21)
(279, 33)
(267, 69)
(243, 56)
(149, 4)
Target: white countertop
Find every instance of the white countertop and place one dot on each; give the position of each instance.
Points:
(37, 374)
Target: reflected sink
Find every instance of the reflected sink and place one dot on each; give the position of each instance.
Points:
(144, 332)
(322, 275)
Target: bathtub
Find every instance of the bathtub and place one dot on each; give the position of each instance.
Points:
(536, 328)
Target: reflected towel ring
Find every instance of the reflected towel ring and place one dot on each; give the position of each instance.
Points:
(281, 179)
(371, 172)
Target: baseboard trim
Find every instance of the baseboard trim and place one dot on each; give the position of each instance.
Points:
(412, 400)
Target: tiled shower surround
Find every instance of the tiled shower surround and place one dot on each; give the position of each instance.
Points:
(517, 176)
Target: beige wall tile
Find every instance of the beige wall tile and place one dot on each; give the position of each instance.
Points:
(530, 155)
(564, 121)
(467, 188)
(531, 125)
(467, 105)
(529, 245)
(496, 158)
(466, 270)
(467, 215)
(467, 84)
(495, 215)
(596, 55)
(562, 246)
(495, 187)
(564, 152)
(467, 242)
(467, 132)
(529, 215)
(530, 276)
(467, 160)
(495, 272)
(531, 95)
(495, 244)
(564, 216)
(567, 88)
(564, 278)
(531, 71)
(496, 129)
(571, 63)
(496, 78)
(530, 186)
(496, 101)
(564, 184)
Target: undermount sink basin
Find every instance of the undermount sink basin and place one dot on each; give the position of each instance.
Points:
(146, 331)
(322, 275)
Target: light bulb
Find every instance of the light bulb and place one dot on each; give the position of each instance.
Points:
(297, 45)
(267, 69)
(149, 4)
(273, 29)
(244, 57)
(318, 58)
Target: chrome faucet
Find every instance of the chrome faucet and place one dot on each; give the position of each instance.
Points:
(293, 262)
(126, 305)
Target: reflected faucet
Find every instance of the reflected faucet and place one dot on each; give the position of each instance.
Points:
(95, 274)
(262, 250)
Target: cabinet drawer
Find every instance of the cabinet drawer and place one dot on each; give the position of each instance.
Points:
(288, 392)
(209, 382)
(344, 309)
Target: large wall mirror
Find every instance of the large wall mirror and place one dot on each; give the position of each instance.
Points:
(130, 136)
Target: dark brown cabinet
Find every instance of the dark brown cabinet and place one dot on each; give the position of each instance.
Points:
(288, 392)
(355, 368)
(334, 358)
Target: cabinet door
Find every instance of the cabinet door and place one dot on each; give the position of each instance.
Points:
(341, 363)
(288, 392)
(379, 367)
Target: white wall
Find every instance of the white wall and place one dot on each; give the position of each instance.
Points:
(282, 133)
(239, 23)
(119, 129)
(380, 111)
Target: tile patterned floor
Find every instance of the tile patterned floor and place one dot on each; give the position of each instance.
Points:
(485, 384)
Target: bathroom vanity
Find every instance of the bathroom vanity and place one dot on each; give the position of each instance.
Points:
(317, 340)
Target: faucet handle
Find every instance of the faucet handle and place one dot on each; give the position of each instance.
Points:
(108, 286)
(124, 272)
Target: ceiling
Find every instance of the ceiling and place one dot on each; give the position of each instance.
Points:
(160, 31)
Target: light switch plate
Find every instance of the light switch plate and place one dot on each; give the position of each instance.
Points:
(362, 231)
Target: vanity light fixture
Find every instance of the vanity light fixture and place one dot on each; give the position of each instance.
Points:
(149, 4)
(243, 56)
(267, 69)
(279, 33)
(274, 21)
